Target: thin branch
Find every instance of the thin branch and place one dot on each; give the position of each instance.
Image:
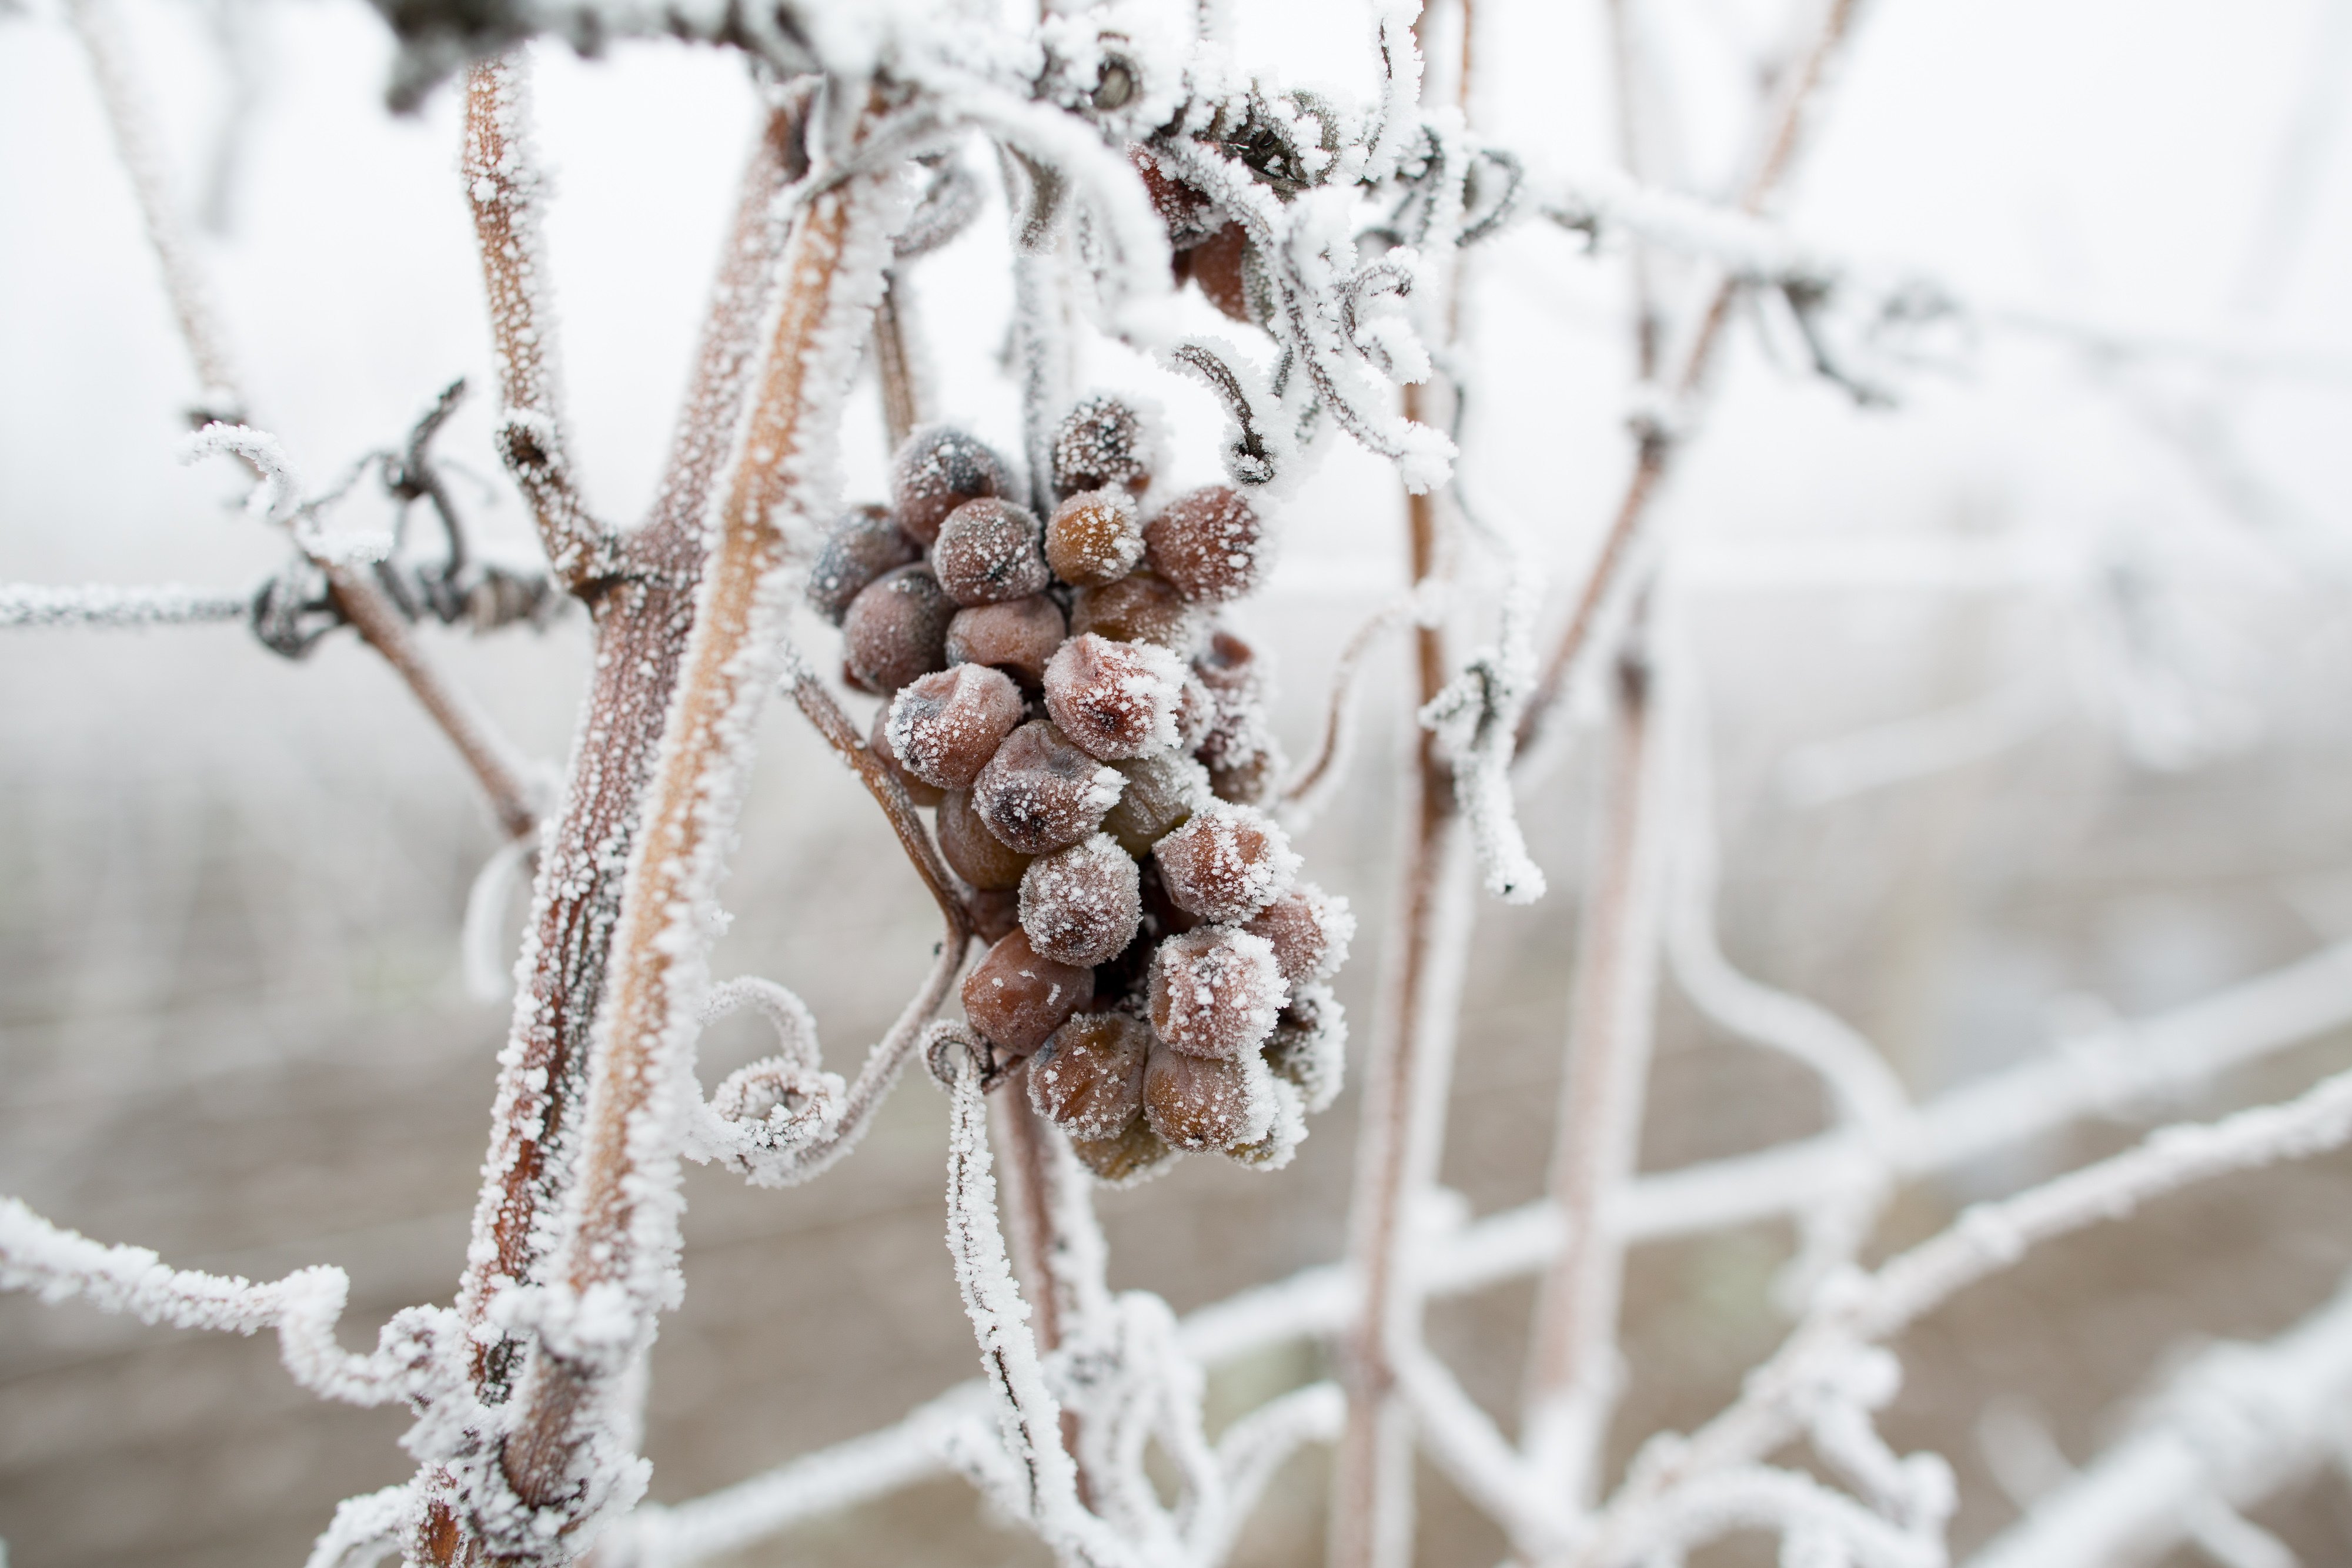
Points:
(893, 366)
(106, 605)
(1311, 787)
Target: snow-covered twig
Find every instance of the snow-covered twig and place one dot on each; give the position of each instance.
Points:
(105, 604)
(1476, 719)
(366, 1530)
(1312, 787)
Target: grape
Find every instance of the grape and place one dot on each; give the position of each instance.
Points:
(879, 743)
(945, 726)
(1227, 663)
(1017, 636)
(864, 544)
(1131, 1155)
(1137, 608)
(1285, 1130)
(1082, 904)
(1087, 1080)
(897, 629)
(1209, 543)
(1094, 538)
(987, 551)
(1196, 711)
(1227, 862)
(1113, 700)
(995, 911)
(1103, 444)
(1308, 1046)
(1309, 929)
(937, 470)
(1161, 793)
(1221, 265)
(1215, 991)
(1017, 998)
(1238, 745)
(1161, 914)
(979, 856)
(1249, 783)
(1186, 211)
(1197, 1102)
(1039, 792)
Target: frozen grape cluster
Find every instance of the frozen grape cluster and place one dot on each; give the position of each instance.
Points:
(1095, 745)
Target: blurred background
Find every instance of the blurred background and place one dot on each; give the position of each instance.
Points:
(2100, 543)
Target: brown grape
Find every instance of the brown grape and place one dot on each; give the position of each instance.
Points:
(978, 856)
(1137, 608)
(1103, 444)
(1039, 792)
(897, 629)
(946, 726)
(1082, 904)
(1017, 997)
(1248, 783)
(1221, 265)
(1198, 1102)
(1285, 1130)
(1186, 211)
(938, 469)
(1133, 1154)
(1113, 700)
(1227, 862)
(1211, 544)
(987, 551)
(864, 544)
(1196, 711)
(1308, 1046)
(995, 911)
(1161, 793)
(1215, 991)
(879, 743)
(1018, 637)
(1094, 538)
(1087, 1080)
(1309, 929)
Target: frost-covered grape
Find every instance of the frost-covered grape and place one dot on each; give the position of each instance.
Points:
(995, 911)
(1017, 997)
(1215, 991)
(1039, 792)
(1227, 862)
(1082, 904)
(1161, 791)
(1250, 781)
(1094, 538)
(978, 856)
(938, 469)
(1103, 444)
(1114, 700)
(946, 726)
(1285, 1130)
(1196, 711)
(1308, 1046)
(1201, 1103)
(879, 743)
(1309, 929)
(1186, 211)
(1137, 608)
(1221, 265)
(1087, 1080)
(1134, 1155)
(864, 544)
(897, 629)
(1211, 544)
(990, 550)
(1238, 745)
(1017, 636)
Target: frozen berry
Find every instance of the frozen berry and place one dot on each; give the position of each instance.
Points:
(945, 726)
(1161, 914)
(1285, 1130)
(863, 545)
(1103, 444)
(937, 470)
(1017, 636)
(979, 856)
(1114, 700)
(1221, 265)
(1137, 608)
(995, 911)
(1039, 792)
(1161, 793)
(1227, 862)
(1081, 904)
(1237, 744)
(1196, 710)
(1133, 1154)
(987, 551)
(1198, 1102)
(1094, 538)
(897, 629)
(1227, 663)
(1308, 1046)
(879, 743)
(1186, 211)
(1089, 1077)
(1214, 991)
(1247, 782)
(1309, 929)
(1016, 999)
(1209, 543)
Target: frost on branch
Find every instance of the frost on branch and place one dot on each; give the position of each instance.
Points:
(1476, 719)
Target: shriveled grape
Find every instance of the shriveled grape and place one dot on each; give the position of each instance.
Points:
(987, 551)
(1016, 997)
(1310, 930)
(1087, 1080)
(978, 856)
(1094, 538)
(1161, 791)
(1082, 904)
(1104, 442)
(864, 543)
(879, 743)
(1039, 792)
(946, 726)
(1285, 1130)
(1308, 1046)
(1215, 991)
(1114, 700)
(938, 469)
(1211, 544)
(1137, 608)
(897, 629)
(1227, 862)
(1135, 1153)
(1200, 1102)
(1018, 637)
